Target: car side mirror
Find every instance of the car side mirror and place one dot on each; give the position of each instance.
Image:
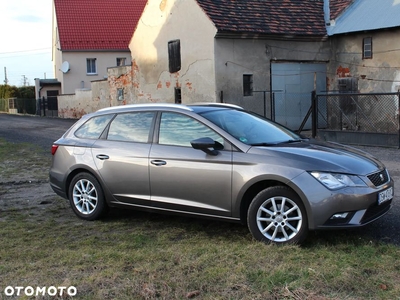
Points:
(208, 145)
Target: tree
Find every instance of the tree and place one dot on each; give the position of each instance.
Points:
(27, 92)
(8, 91)
(11, 91)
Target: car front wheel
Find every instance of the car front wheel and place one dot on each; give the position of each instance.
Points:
(86, 197)
(277, 215)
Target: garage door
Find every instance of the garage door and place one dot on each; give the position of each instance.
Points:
(292, 85)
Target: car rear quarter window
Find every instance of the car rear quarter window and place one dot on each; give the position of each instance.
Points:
(94, 127)
(180, 130)
(131, 127)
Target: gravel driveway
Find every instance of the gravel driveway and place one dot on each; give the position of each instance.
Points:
(43, 131)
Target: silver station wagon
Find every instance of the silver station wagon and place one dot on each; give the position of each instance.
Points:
(216, 161)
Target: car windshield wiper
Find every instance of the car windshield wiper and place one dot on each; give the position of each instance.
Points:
(263, 144)
(291, 141)
(278, 143)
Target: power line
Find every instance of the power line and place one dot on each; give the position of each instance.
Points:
(21, 51)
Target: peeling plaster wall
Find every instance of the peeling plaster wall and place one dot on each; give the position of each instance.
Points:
(237, 57)
(103, 93)
(76, 105)
(161, 22)
(120, 78)
(379, 74)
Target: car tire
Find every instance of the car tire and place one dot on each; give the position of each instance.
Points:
(271, 222)
(86, 197)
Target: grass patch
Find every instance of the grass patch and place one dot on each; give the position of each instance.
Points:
(135, 255)
(22, 162)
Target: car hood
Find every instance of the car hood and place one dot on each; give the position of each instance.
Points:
(312, 155)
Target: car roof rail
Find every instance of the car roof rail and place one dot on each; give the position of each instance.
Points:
(218, 104)
(127, 106)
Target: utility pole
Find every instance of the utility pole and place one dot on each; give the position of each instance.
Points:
(5, 76)
(25, 79)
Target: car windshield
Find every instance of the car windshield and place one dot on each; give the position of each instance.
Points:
(249, 128)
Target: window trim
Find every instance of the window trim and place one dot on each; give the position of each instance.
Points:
(174, 56)
(120, 94)
(94, 62)
(247, 85)
(122, 61)
(367, 53)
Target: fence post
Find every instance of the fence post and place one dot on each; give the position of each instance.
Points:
(398, 119)
(273, 106)
(314, 112)
(44, 106)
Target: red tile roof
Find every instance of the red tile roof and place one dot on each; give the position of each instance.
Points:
(337, 6)
(88, 25)
(267, 17)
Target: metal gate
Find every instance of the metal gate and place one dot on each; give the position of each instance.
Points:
(48, 107)
(292, 84)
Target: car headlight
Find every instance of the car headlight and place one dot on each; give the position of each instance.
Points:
(335, 181)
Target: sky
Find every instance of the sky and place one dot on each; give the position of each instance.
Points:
(25, 41)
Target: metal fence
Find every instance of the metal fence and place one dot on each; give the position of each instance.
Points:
(363, 119)
(43, 107)
(18, 105)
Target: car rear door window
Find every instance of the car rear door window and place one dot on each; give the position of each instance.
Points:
(131, 127)
(179, 130)
(94, 127)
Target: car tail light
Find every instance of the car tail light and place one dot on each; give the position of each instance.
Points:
(54, 149)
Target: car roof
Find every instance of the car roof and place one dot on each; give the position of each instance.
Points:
(195, 107)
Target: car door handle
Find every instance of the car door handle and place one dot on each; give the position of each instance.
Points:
(102, 156)
(158, 162)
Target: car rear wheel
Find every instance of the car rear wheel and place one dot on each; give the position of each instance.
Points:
(86, 197)
(277, 215)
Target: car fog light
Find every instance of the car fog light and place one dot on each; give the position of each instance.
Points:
(339, 216)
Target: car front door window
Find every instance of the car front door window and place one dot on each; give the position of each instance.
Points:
(180, 130)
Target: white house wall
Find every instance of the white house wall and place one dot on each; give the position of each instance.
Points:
(163, 21)
(76, 77)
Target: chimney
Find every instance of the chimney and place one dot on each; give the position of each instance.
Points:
(327, 13)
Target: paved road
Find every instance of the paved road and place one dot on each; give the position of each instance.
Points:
(33, 129)
(44, 131)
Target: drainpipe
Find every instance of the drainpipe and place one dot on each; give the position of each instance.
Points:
(327, 13)
(38, 88)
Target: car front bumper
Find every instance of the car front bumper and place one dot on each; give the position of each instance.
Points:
(343, 208)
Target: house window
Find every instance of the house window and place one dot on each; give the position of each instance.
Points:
(91, 66)
(120, 94)
(247, 85)
(178, 95)
(121, 61)
(174, 55)
(367, 48)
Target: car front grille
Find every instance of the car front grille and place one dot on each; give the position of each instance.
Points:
(379, 178)
(374, 211)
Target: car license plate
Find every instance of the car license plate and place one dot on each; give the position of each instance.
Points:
(384, 196)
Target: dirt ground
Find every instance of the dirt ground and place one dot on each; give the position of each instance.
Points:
(27, 191)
